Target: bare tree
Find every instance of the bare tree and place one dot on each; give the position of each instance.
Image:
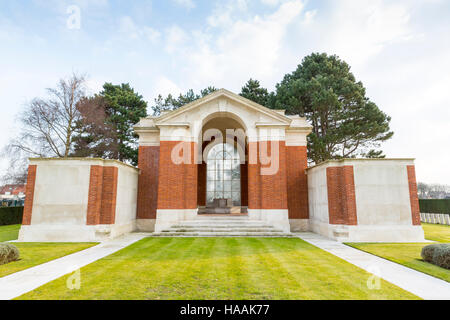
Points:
(47, 124)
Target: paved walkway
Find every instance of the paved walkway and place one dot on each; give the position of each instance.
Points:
(418, 283)
(19, 283)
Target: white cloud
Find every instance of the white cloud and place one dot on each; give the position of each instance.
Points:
(309, 16)
(240, 48)
(175, 38)
(226, 12)
(165, 86)
(360, 29)
(131, 30)
(189, 4)
(270, 2)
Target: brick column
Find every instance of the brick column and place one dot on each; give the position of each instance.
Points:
(191, 179)
(148, 164)
(415, 209)
(297, 182)
(254, 178)
(177, 182)
(267, 191)
(29, 195)
(201, 190)
(274, 186)
(109, 195)
(95, 196)
(102, 195)
(341, 195)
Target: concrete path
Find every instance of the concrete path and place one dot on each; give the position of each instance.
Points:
(418, 283)
(19, 283)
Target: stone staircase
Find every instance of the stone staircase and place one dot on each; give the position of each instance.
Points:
(222, 226)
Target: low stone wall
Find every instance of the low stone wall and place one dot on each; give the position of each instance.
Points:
(77, 200)
(435, 218)
(365, 200)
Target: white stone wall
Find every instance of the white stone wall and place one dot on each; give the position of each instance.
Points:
(318, 200)
(382, 192)
(382, 202)
(59, 212)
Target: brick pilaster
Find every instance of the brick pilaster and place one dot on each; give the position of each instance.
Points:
(297, 183)
(29, 195)
(177, 187)
(95, 195)
(109, 195)
(415, 209)
(148, 164)
(267, 191)
(102, 195)
(341, 195)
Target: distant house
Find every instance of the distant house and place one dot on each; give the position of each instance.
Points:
(12, 195)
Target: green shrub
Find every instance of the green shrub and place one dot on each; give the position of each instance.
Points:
(437, 254)
(10, 215)
(8, 253)
(428, 252)
(434, 205)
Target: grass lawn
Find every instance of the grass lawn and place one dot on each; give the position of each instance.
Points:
(222, 269)
(33, 254)
(408, 254)
(437, 232)
(8, 233)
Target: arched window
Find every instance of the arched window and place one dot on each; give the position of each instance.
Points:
(224, 174)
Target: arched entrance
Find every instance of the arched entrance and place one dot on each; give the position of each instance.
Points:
(223, 175)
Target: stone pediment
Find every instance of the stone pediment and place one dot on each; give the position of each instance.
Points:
(190, 119)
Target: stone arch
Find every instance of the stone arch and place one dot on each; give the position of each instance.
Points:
(221, 121)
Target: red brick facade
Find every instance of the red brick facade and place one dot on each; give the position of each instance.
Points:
(190, 178)
(254, 177)
(29, 195)
(267, 191)
(95, 195)
(148, 182)
(244, 185)
(341, 195)
(102, 195)
(415, 210)
(109, 195)
(297, 182)
(177, 187)
(201, 190)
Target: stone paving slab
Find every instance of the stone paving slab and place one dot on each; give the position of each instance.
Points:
(418, 283)
(21, 282)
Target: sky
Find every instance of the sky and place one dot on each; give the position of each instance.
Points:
(400, 50)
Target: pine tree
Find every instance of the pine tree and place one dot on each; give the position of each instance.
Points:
(345, 122)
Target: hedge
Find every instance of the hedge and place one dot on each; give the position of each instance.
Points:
(10, 215)
(434, 205)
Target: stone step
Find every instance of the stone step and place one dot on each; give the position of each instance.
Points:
(224, 234)
(196, 222)
(202, 217)
(222, 225)
(222, 230)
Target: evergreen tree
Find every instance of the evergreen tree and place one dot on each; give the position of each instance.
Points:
(345, 122)
(253, 91)
(170, 103)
